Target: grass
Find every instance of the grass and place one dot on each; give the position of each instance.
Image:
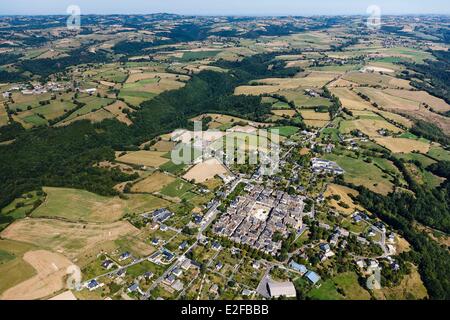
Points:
(177, 188)
(362, 173)
(13, 269)
(285, 131)
(173, 168)
(153, 183)
(143, 267)
(439, 154)
(76, 205)
(342, 286)
(198, 55)
(424, 160)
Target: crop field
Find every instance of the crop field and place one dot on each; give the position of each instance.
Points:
(420, 97)
(347, 282)
(173, 168)
(286, 112)
(80, 205)
(116, 109)
(388, 101)
(153, 183)
(68, 238)
(177, 188)
(51, 111)
(396, 118)
(369, 125)
(351, 100)
(93, 103)
(199, 55)
(362, 173)
(115, 75)
(375, 79)
(285, 131)
(313, 115)
(424, 160)
(94, 117)
(13, 268)
(403, 145)
(439, 153)
(144, 158)
(51, 269)
(343, 193)
(205, 171)
(22, 101)
(164, 146)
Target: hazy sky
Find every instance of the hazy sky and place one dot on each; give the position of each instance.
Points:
(225, 7)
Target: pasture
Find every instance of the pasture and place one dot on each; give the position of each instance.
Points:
(343, 193)
(403, 145)
(362, 173)
(68, 238)
(177, 188)
(81, 205)
(116, 109)
(204, 171)
(144, 158)
(13, 268)
(153, 183)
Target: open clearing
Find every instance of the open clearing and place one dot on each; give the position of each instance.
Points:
(205, 171)
(153, 183)
(351, 100)
(116, 109)
(410, 288)
(375, 79)
(421, 97)
(68, 238)
(368, 126)
(144, 158)
(343, 192)
(13, 269)
(313, 115)
(403, 145)
(81, 205)
(362, 173)
(347, 282)
(51, 269)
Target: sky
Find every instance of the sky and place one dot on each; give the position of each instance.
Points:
(225, 7)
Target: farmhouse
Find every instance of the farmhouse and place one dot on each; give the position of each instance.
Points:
(278, 289)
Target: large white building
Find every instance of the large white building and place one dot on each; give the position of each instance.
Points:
(278, 289)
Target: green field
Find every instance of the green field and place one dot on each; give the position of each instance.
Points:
(19, 208)
(346, 283)
(113, 75)
(177, 188)
(424, 160)
(93, 103)
(198, 55)
(76, 205)
(172, 167)
(439, 153)
(362, 173)
(285, 131)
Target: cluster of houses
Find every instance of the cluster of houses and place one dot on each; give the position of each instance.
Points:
(325, 166)
(158, 216)
(36, 89)
(253, 218)
(172, 280)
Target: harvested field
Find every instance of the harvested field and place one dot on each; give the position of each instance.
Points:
(396, 118)
(164, 146)
(51, 269)
(205, 171)
(375, 79)
(313, 115)
(68, 238)
(351, 100)
(66, 295)
(13, 269)
(289, 112)
(316, 123)
(403, 145)
(153, 183)
(81, 205)
(343, 192)
(116, 109)
(422, 97)
(369, 127)
(144, 158)
(94, 117)
(410, 288)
